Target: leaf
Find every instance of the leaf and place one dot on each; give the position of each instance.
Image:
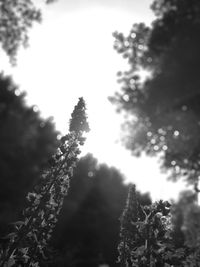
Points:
(24, 251)
(18, 223)
(10, 263)
(139, 251)
(10, 236)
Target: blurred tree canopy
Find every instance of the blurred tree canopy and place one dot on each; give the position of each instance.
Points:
(160, 91)
(88, 229)
(16, 18)
(185, 220)
(26, 142)
(181, 218)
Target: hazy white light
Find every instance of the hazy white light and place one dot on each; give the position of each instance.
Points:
(149, 134)
(126, 43)
(173, 162)
(68, 59)
(162, 138)
(156, 148)
(126, 98)
(176, 133)
(90, 174)
(165, 147)
(133, 35)
(141, 46)
(161, 131)
(17, 92)
(177, 169)
(35, 108)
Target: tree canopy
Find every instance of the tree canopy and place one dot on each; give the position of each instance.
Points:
(16, 19)
(87, 231)
(160, 91)
(26, 141)
(27, 244)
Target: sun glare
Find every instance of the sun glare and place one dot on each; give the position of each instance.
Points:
(73, 56)
(81, 62)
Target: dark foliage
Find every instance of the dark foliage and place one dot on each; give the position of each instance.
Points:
(26, 141)
(185, 217)
(145, 233)
(160, 235)
(164, 107)
(27, 244)
(16, 19)
(87, 230)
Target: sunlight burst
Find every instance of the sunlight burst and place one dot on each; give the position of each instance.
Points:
(75, 57)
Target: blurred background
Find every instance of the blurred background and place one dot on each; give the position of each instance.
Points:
(137, 66)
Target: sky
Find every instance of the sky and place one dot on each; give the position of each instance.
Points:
(71, 55)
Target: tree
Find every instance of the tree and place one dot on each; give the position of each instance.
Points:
(17, 17)
(163, 104)
(27, 244)
(26, 140)
(185, 219)
(88, 227)
(87, 231)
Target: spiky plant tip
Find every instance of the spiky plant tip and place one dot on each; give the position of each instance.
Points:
(28, 242)
(78, 122)
(130, 213)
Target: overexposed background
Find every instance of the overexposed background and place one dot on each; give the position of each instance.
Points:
(71, 55)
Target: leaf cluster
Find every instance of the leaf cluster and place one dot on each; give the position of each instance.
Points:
(16, 19)
(27, 244)
(160, 90)
(147, 236)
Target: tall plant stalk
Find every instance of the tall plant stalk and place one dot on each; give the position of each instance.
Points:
(27, 244)
(145, 234)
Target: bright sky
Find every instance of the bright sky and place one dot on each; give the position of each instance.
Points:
(71, 55)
